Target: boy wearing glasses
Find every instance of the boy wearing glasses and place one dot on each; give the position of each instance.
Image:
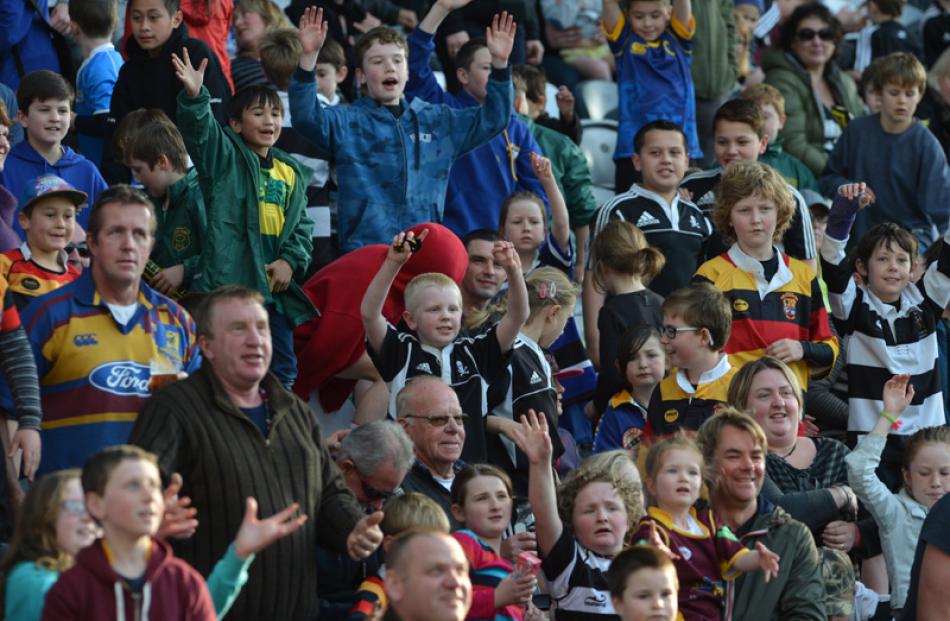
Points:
(696, 324)
(432, 345)
(47, 213)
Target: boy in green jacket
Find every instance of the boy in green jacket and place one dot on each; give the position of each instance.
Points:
(258, 234)
(157, 157)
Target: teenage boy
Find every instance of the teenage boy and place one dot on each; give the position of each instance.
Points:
(258, 235)
(739, 131)
(93, 22)
(433, 347)
(674, 225)
(394, 170)
(157, 157)
(653, 45)
(696, 324)
(901, 161)
(279, 51)
(47, 213)
(488, 175)
(45, 100)
(128, 569)
(147, 79)
(771, 103)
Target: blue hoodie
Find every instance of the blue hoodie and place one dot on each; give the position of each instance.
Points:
(393, 172)
(480, 181)
(25, 32)
(24, 163)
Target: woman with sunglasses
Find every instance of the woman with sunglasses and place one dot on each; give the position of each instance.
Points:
(819, 97)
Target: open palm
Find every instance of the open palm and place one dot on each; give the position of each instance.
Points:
(500, 37)
(313, 30)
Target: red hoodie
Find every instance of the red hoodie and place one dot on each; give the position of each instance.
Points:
(336, 339)
(92, 590)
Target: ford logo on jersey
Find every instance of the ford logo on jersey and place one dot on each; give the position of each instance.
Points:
(126, 379)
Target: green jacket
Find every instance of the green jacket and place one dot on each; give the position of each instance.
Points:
(569, 167)
(797, 593)
(804, 131)
(714, 48)
(229, 173)
(181, 226)
(795, 172)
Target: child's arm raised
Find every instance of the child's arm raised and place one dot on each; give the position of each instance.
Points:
(560, 222)
(439, 11)
(612, 13)
(761, 558)
(312, 33)
(371, 309)
(317, 124)
(533, 440)
(516, 314)
(683, 12)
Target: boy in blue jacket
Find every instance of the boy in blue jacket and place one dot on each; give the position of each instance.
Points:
(45, 102)
(480, 181)
(393, 157)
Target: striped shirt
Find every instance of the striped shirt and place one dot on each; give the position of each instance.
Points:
(94, 372)
(677, 229)
(677, 403)
(28, 279)
(486, 568)
(469, 365)
(577, 581)
(789, 306)
(887, 339)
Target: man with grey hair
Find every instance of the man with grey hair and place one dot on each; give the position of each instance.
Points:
(373, 458)
(428, 409)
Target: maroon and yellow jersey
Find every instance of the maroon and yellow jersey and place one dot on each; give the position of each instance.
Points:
(28, 279)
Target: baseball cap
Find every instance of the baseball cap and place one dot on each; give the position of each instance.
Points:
(50, 185)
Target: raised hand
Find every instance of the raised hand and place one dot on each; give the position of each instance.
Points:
(312, 30)
(565, 103)
(191, 78)
(898, 393)
(533, 439)
(500, 38)
(365, 537)
(179, 518)
(768, 561)
(254, 535)
(859, 191)
(542, 167)
(451, 5)
(401, 249)
(505, 255)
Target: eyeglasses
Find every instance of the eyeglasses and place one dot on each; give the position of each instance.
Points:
(807, 34)
(76, 507)
(372, 493)
(441, 420)
(670, 332)
(82, 248)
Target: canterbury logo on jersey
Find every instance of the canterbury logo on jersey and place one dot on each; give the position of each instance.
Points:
(124, 378)
(85, 340)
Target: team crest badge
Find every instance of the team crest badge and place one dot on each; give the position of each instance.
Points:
(181, 238)
(670, 416)
(790, 305)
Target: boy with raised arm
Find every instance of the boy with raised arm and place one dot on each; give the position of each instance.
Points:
(393, 157)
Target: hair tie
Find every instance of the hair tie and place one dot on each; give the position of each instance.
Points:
(547, 290)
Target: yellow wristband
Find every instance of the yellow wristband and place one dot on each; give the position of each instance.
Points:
(889, 417)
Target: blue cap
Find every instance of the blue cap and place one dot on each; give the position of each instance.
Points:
(50, 185)
(759, 4)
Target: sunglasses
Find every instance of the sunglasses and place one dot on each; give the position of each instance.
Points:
(82, 248)
(670, 332)
(372, 493)
(441, 420)
(807, 34)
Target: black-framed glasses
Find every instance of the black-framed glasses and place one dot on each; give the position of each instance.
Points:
(441, 420)
(670, 332)
(807, 34)
(82, 248)
(372, 493)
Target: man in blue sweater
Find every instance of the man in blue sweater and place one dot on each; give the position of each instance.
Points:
(480, 181)
(901, 161)
(392, 157)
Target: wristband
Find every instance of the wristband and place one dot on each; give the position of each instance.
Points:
(895, 424)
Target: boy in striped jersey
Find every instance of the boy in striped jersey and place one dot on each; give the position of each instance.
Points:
(890, 321)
